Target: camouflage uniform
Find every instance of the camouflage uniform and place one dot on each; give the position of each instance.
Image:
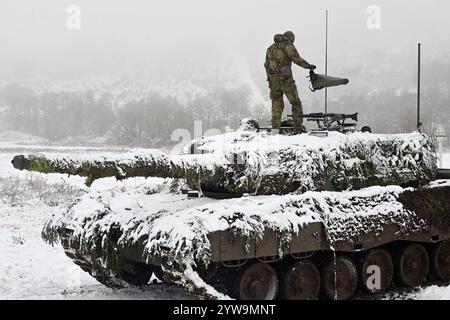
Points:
(278, 65)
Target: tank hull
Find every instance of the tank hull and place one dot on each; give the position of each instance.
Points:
(313, 243)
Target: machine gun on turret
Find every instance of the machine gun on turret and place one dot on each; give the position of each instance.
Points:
(333, 121)
(325, 122)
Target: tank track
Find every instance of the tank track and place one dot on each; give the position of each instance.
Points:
(134, 273)
(397, 282)
(306, 277)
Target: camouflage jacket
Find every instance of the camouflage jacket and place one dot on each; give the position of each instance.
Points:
(280, 55)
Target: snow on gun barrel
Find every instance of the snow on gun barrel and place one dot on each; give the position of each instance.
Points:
(249, 162)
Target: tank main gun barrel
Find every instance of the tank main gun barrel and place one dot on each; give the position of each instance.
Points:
(235, 168)
(144, 164)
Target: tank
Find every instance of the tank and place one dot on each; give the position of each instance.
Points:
(252, 215)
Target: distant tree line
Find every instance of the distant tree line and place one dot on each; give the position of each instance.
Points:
(389, 111)
(87, 117)
(82, 117)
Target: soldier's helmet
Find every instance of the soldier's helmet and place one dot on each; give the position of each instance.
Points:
(290, 35)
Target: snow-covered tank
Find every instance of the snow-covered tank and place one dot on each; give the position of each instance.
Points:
(251, 215)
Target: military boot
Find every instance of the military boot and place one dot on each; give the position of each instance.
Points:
(301, 129)
(298, 125)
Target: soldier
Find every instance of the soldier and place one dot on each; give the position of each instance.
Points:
(278, 64)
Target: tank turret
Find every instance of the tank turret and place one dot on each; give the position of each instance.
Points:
(257, 163)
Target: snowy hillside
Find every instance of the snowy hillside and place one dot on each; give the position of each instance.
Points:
(126, 87)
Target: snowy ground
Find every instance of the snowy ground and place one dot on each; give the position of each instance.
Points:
(30, 269)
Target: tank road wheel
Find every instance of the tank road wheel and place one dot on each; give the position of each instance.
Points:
(413, 265)
(258, 281)
(377, 271)
(302, 281)
(340, 278)
(441, 261)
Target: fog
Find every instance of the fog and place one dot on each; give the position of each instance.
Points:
(130, 34)
(205, 42)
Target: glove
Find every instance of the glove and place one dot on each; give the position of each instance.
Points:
(312, 67)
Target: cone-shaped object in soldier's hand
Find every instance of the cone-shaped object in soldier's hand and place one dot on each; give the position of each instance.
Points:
(320, 81)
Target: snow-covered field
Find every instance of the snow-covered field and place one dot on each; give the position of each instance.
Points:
(30, 269)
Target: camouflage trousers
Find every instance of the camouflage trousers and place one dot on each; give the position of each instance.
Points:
(280, 86)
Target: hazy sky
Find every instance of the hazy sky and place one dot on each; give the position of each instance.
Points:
(114, 34)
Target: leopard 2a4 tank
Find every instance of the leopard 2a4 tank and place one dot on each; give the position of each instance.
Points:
(252, 215)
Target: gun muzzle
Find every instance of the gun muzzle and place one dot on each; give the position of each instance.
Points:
(18, 162)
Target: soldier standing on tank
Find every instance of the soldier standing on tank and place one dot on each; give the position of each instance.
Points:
(279, 58)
